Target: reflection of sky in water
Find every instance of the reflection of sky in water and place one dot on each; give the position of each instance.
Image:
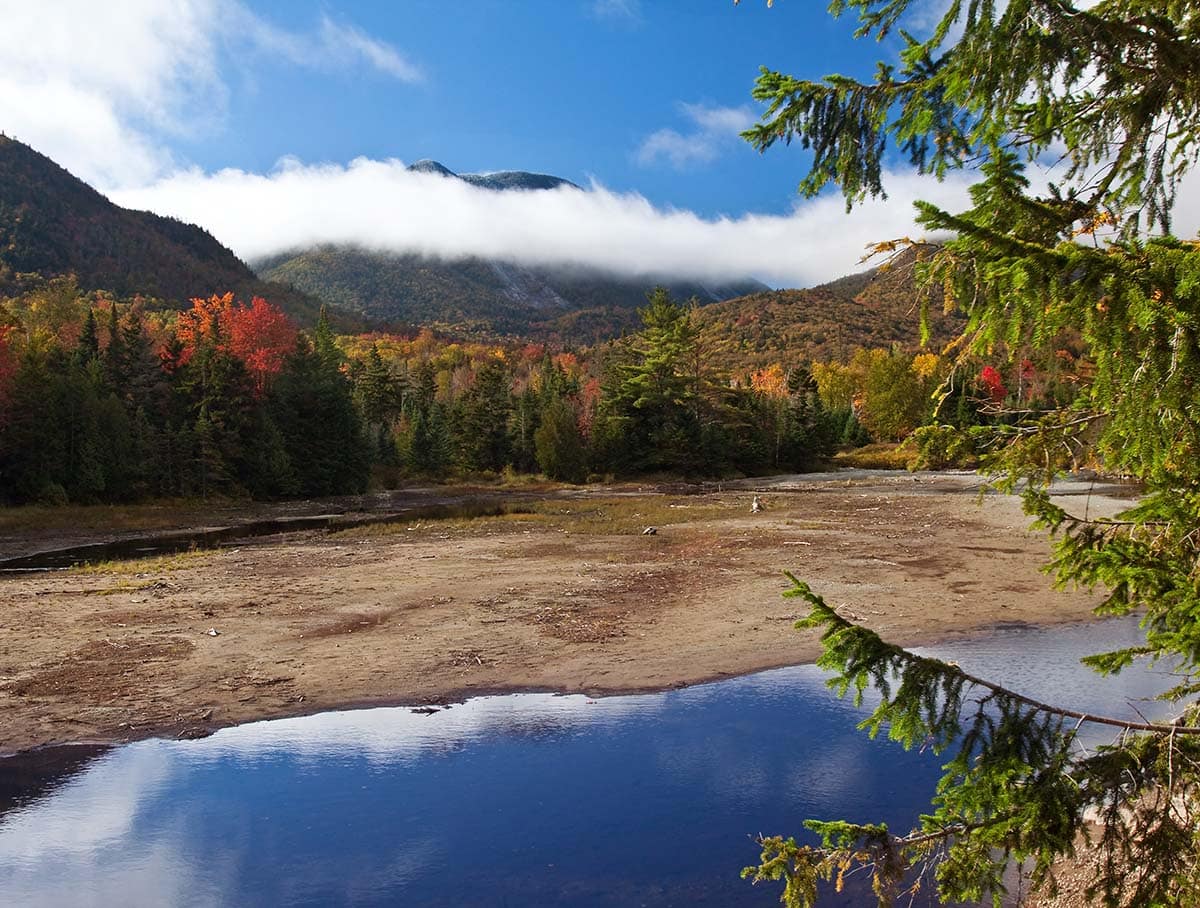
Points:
(521, 800)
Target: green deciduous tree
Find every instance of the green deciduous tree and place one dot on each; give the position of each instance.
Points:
(894, 399)
(995, 87)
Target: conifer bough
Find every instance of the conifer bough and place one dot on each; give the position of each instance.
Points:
(1105, 98)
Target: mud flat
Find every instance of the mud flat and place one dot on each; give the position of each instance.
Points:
(562, 594)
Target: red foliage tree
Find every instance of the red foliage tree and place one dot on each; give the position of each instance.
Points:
(993, 383)
(589, 400)
(260, 335)
(568, 362)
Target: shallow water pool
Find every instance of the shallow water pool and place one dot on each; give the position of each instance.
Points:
(521, 800)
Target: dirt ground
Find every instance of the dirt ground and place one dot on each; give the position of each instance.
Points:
(564, 595)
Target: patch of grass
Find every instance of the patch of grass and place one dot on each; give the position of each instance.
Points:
(125, 587)
(448, 520)
(624, 515)
(156, 564)
(157, 515)
(609, 516)
(876, 457)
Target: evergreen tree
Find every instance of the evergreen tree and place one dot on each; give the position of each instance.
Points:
(810, 432)
(312, 406)
(560, 450)
(425, 391)
(523, 425)
(482, 424)
(212, 471)
(653, 405)
(377, 394)
(89, 339)
(324, 345)
(551, 384)
(376, 389)
(1117, 84)
(220, 399)
(114, 353)
(143, 370)
(426, 446)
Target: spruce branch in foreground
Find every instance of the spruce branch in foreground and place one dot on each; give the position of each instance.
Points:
(1072, 264)
(1017, 786)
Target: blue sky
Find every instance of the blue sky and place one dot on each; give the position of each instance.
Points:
(563, 87)
(277, 123)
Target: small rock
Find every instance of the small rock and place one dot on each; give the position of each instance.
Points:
(650, 531)
(213, 632)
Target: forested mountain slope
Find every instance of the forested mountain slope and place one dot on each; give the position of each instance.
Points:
(475, 296)
(52, 223)
(875, 308)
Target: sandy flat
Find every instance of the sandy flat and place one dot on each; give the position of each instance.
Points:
(571, 597)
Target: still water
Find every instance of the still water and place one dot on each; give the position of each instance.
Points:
(521, 800)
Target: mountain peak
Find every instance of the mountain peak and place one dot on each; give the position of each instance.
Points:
(428, 165)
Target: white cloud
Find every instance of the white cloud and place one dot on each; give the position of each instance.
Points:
(925, 15)
(381, 205)
(713, 128)
(100, 87)
(88, 84)
(355, 44)
(332, 46)
(86, 135)
(627, 10)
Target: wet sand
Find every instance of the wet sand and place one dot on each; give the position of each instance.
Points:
(569, 596)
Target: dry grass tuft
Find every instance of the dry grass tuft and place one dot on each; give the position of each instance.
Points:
(592, 516)
(156, 564)
(877, 457)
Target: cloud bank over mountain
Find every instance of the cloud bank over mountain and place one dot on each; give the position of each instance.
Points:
(380, 205)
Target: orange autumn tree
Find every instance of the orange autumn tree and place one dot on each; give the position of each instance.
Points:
(202, 324)
(259, 335)
(771, 381)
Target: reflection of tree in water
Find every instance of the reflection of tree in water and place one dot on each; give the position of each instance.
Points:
(29, 776)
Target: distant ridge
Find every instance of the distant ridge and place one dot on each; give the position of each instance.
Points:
(479, 297)
(52, 223)
(875, 308)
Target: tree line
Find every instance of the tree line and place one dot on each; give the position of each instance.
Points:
(103, 400)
